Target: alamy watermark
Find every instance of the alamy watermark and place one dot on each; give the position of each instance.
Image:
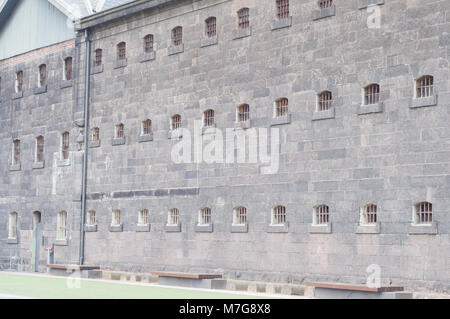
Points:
(236, 145)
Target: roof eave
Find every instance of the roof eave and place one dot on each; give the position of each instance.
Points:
(5, 10)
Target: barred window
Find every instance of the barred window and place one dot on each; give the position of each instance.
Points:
(115, 220)
(148, 43)
(369, 214)
(325, 4)
(119, 130)
(68, 69)
(204, 216)
(177, 36)
(121, 51)
(321, 215)
(39, 149)
(146, 127)
(371, 94)
(19, 81)
(210, 27)
(91, 221)
(95, 134)
(12, 226)
(240, 215)
(423, 213)
(208, 118)
(281, 107)
(61, 226)
(424, 86)
(244, 18)
(143, 217)
(16, 152)
(42, 75)
(324, 101)
(173, 217)
(278, 215)
(65, 145)
(282, 9)
(243, 113)
(98, 57)
(176, 122)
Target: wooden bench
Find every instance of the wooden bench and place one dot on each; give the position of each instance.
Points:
(194, 280)
(332, 290)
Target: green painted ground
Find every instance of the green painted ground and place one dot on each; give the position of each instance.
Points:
(57, 288)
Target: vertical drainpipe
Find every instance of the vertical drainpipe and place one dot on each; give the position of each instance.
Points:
(85, 152)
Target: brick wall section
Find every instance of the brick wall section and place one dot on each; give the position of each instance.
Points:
(394, 158)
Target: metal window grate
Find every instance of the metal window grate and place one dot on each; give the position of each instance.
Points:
(16, 152)
(119, 130)
(282, 9)
(281, 107)
(68, 68)
(322, 215)
(61, 231)
(19, 81)
(177, 36)
(65, 145)
(121, 51)
(174, 217)
(98, 57)
(148, 43)
(243, 113)
(176, 122)
(95, 134)
(91, 218)
(240, 216)
(424, 86)
(424, 213)
(39, 149)
(325, 101)
(143, 217)
(115, 221)
(146, 127)
(370, 214)
(372, 94)
(210, 27)
(244, 18)
(205, 216)
(208, 118)
(323, 4)
(12, 225)
(279, 215)
(42, 75)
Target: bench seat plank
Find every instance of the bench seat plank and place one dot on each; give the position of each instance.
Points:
(186, 275)
(73, 267)
(354, 287)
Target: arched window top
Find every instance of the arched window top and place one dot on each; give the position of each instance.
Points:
(205, 216)
(208, 118)
(323, 4)
(424, 86)
(243, 113)
(282, 9)
(177, 35)
(146, 127)
(324, 100)
(19, 81)
(173, 217)
(371, 94)
(143, 217)
(176, 121)
(37, 218)
(121, 51)
(239, 215)
(210, 27)
(243, 18)
(148, 43)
